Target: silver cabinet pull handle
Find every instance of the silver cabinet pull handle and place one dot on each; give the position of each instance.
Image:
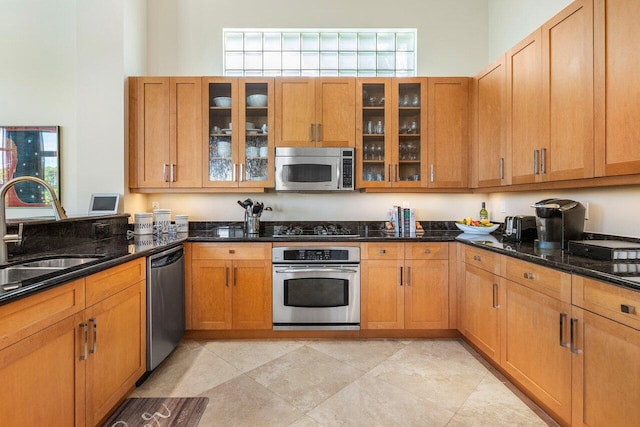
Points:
(427, 251)
(629, 309)
(233, 172)
(495, 296)
(432, 175)
(501, 168)
(164, 173)
(172, 175)
(528, 276)
(401, 279)
(573, 324)
(311, 132)
(477, 258)
(319, 132)
(536, 153)
(563, 317)
(95, 335)
(383, 251)
(85, 328)
(241, 176)
(543, 160)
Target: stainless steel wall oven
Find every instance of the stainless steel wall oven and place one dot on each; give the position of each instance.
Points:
(316, 288)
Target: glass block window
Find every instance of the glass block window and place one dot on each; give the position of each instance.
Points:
(320, 52)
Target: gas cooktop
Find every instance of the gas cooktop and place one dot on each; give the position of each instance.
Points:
(314, 230)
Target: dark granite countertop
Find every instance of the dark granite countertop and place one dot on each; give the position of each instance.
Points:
(608, 271)
(83, 239)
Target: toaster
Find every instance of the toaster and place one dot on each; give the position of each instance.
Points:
(520, 228)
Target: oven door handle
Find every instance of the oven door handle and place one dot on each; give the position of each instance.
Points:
(316, 270)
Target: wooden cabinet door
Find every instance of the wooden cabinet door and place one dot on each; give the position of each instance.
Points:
(295, 112)
(524, 93)
(426, 294)
(448, 132)
(251, 294)
(481, 304)
(617, 84)
(606, 372)
(185, 134)
(335, 114)
(382, 294)
(489, 131)
(43, 379)
(535, 346)
(211, 294)
(567, 122)
(117, 349)
(373, 150)
(149, 140)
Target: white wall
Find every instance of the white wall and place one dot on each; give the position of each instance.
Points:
(512, 20)
(185, 36)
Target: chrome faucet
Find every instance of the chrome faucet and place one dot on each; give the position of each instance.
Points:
(17, 238)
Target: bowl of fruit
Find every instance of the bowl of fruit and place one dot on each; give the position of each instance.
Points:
(473, 226)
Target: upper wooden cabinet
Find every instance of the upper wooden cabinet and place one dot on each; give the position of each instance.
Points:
(524, 94)
(165, 139)
(237, 111)
(488, 128)
(617, 36)
(412, 132)
(315, 112)
(567, 85)
(447, 132)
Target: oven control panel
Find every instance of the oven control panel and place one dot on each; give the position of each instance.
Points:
(313, 255)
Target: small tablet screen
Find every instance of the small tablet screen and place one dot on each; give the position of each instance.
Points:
(104, 204)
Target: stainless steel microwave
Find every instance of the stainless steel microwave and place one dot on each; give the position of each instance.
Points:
(314, 169)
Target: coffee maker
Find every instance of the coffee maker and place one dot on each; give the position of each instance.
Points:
(558, 221)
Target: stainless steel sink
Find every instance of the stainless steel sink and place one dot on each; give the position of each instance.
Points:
(56, 263)
(12, 277)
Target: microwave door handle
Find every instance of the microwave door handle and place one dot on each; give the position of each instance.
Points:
(338, 174)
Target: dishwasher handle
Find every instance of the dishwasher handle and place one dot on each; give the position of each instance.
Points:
(166, 258)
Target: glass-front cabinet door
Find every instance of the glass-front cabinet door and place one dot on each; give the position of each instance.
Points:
(256, 156)
(238, 119)
(409, 127)
(220, 115)
(373, 130)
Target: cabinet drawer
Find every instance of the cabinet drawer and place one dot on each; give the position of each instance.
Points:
(382, 251)
(231, 251)
(426, 251)
(29, 315)
(113, 280)
(550, 282)
(480, 258)
(607, 300)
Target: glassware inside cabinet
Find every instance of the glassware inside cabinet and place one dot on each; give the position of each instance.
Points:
(220, 132)
(409, 128)
(373, 132)
(256, 140)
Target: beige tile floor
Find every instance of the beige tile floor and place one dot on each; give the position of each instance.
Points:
(330, 383)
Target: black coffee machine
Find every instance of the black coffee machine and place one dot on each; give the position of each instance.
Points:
(558, 221)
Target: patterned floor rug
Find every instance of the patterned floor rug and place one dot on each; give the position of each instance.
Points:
(158, 412)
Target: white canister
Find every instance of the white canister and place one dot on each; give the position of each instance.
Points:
(143, 242)
(182, 223)
(143, 223)
(163, 219)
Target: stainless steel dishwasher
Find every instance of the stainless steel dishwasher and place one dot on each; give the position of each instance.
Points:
(165, 304)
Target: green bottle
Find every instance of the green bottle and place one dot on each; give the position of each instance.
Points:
(483, 213)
